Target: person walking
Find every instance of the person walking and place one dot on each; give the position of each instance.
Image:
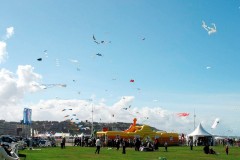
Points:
(98, 145)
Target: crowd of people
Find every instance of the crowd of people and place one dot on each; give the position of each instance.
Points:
(136, 143)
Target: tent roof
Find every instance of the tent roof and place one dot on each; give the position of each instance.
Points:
(199, 131)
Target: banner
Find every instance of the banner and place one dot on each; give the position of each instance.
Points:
(27, 116)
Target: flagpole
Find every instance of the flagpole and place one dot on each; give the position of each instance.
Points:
(92, 121)
(194, 117)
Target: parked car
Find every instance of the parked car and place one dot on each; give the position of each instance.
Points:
(35, 143)
(7, 138)
(22, 145)
(45, 143)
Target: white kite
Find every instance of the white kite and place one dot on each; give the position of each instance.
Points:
(210, 30)
(215, 123)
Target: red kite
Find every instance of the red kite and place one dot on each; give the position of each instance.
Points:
(132, 80)
(184, 114)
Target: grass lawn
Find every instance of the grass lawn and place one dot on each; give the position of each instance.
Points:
(174, 153)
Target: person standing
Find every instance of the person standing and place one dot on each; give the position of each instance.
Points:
(98, 145)
(117, 143)
(165, 145)
(137, 144)
(63, 142)
(156, 143)
(124, 146)
(191, 144)
(226, 149)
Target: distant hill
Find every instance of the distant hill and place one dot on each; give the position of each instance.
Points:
(42, 127)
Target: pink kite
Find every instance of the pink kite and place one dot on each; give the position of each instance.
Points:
(132, 80)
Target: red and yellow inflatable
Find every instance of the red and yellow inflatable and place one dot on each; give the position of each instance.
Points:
(143, 132)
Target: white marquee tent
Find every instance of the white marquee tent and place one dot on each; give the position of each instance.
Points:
(200, 132)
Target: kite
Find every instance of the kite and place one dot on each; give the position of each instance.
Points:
(73, 60)
(53, 85)
(98, 54)
(131, 80)
(184, 114)
(99, 42)
(66, 109)
(210, 30)
(127, 107)
(208, 67)
(215, 123)
(94, 38)
(57, 63)
(66, 116)
(46, 56)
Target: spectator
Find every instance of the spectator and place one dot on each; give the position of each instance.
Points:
(124, 146)
(156, 143)
(227, 149)
(206, 149)
(211, 151)
(117, 143)
(63, 142)
(191, 144)
(98, 145)
(166, 145)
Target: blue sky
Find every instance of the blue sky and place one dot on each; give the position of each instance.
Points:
(179, 67)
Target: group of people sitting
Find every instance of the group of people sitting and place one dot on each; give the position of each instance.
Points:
(208, 150)
(150, 146)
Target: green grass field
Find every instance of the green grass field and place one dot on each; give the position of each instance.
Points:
(174, 153)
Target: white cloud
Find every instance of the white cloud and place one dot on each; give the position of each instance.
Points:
(27, 79)
(3, 44)
(9, 32)
(15, 86)
(13, 89)
(3, 52)
(157, 117)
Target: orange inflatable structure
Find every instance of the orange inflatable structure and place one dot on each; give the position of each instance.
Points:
(143, 132)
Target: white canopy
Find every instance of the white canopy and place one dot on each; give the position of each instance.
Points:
(199, 131)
